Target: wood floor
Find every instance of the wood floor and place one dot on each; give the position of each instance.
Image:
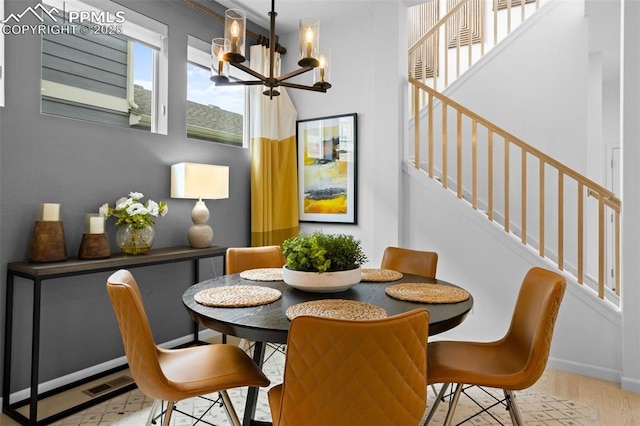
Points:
(616, 407)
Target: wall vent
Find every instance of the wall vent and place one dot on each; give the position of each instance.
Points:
(112, 384)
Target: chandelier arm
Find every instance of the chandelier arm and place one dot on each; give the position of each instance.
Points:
(294, 73)
(243, 83)
(248, 70)
(300, 86)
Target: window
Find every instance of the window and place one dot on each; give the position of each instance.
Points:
(215, 114)
(104, 63)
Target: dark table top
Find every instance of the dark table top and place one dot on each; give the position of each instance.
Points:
(268, 323)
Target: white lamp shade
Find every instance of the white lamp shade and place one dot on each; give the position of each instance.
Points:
(199, 181)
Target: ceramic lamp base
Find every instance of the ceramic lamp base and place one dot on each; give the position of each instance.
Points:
(200, 236)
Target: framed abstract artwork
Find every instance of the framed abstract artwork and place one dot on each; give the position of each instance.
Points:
(327, 169)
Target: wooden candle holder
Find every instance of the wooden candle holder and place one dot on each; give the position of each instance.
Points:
(47, 243)
(94, 246)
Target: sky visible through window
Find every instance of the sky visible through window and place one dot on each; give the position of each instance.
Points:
(200, 88)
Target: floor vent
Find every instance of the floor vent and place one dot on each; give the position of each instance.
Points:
(112, 384)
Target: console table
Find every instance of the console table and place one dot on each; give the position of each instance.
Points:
(39, 272)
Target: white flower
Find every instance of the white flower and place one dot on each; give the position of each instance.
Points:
(123, 203)
(137, 208)
(132, 211)
(153, 208)
(104, 210)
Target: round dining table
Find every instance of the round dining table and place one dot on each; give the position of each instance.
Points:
(268, 323)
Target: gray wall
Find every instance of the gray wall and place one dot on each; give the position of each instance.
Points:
(82, 165)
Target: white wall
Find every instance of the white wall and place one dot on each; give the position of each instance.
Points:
(369, 56)
(537, 81)
(631, 199)
(475, 254)
(549, 107)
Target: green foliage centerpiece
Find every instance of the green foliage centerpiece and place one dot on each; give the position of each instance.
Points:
(322, 262)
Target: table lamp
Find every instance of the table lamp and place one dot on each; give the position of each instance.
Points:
(201, 182)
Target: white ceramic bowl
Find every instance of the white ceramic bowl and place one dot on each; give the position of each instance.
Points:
(326, 282)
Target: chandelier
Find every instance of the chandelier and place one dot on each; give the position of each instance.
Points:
(230, 50)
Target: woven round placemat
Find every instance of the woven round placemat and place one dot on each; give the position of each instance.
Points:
(236, 296)
(373, 275)
(337, 308)
(427, 293)
(262, 274)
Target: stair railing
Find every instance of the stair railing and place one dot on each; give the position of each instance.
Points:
(473, 152)
(438, 46)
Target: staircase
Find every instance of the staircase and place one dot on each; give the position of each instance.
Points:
(562, 215)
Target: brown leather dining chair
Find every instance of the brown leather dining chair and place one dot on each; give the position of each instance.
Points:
(244, 258)
(241, 259)
(416, 262)
(175, 374)
(340, 372)
(514, 362)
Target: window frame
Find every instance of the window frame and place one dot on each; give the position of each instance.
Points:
(199, 53)
(141, 29)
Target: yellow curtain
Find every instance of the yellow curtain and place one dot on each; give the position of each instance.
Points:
(274, 178)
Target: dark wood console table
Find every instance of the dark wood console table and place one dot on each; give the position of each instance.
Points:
(39, 272)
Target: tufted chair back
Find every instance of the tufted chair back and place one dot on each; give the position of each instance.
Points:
(340, 372)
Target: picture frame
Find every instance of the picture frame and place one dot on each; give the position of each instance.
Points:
(327, 169)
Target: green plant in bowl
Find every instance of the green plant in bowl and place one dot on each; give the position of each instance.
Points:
(319, 252)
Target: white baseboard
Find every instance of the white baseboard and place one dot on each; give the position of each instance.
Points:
(100, 368)
(630, 385)
(585, 370)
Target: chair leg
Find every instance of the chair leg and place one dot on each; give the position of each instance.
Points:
(228, 406)
(167, 414)
(453, 404)
(514, 409)
(436, 402)
(152, 413)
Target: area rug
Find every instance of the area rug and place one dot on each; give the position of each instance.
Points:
(537, 409)
(132, 408)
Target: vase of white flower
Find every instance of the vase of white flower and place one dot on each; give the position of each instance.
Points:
(135, 233)
(132, 240)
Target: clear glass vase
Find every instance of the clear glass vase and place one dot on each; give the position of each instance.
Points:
(133, 240)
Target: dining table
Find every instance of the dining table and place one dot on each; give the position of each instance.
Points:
(268, 322)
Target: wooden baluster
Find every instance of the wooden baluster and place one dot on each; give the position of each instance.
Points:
(474, 164)
(430, 117)
(541, 207)
(560, 220)
(523, 196)
(459, 154)
(506, 185)
(490, 172)
(580, 233)
(601, 247)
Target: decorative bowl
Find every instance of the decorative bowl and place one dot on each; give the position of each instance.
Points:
(326, 282)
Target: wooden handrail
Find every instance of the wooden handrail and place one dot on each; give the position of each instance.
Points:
(438, 167)
(594, 187)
